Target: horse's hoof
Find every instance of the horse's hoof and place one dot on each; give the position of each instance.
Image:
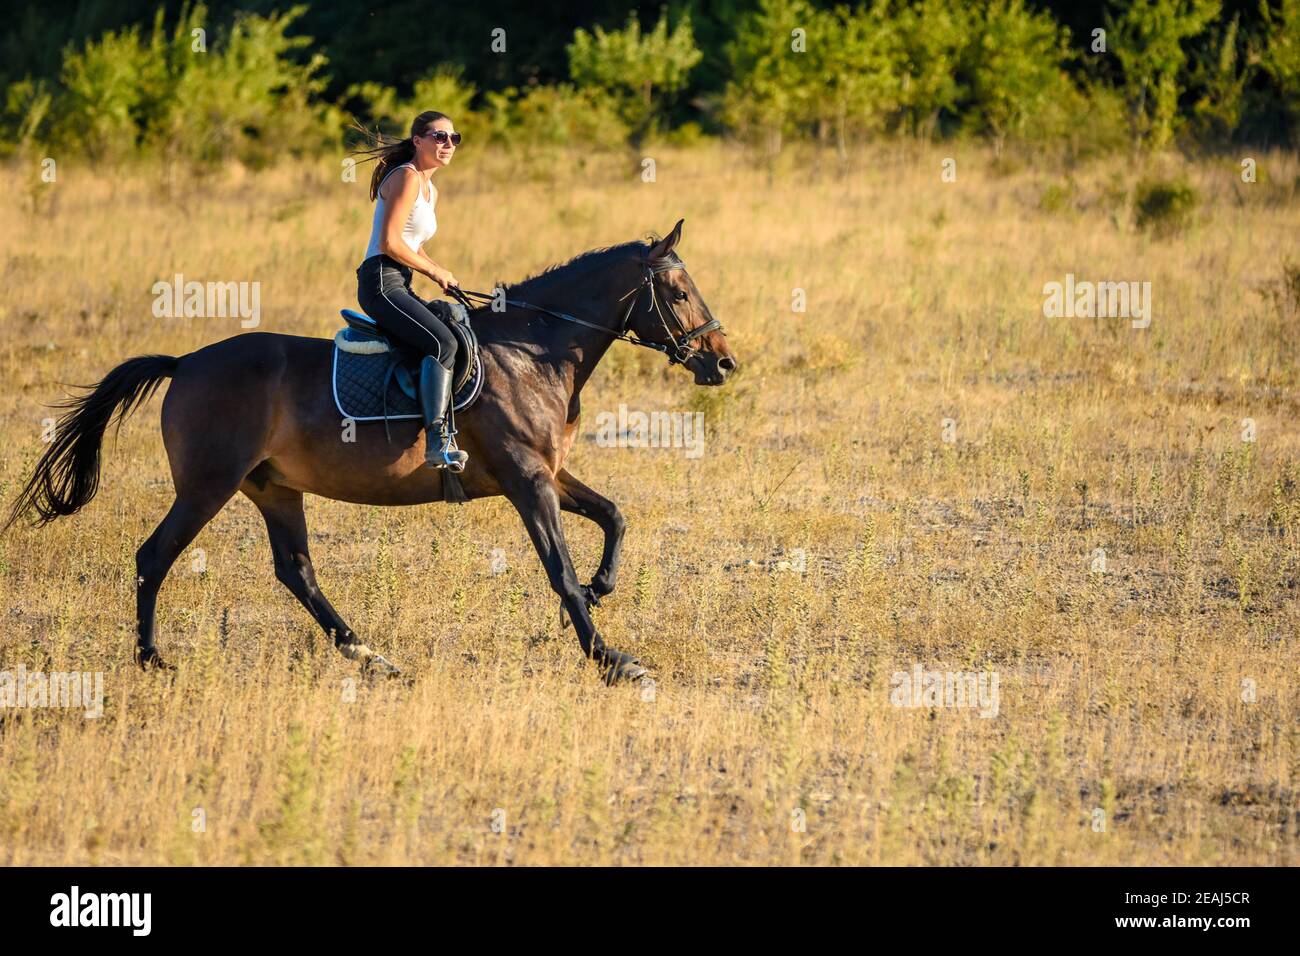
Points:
(629, 672)
(380, 666)
(621, 667)
(150, 660)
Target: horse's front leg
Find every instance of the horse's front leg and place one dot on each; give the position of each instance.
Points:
(577, 498)
(536, 496)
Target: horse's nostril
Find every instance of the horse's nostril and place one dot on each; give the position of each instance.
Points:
(726, 363)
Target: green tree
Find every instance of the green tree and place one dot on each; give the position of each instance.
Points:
(1014, 64)
(633, 67)
(932, 37)
(769, 88)
(1221, 77)
(1148, 41)
(851, 82)
(1281, 55)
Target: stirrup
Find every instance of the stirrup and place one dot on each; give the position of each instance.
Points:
(447, 455)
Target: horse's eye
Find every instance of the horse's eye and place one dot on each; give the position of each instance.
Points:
(681, 296)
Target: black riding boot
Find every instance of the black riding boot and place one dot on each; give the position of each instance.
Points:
(440, 449)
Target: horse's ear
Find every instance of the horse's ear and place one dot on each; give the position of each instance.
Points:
(668, 242)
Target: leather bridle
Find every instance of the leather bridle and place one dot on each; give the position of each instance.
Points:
(678, 348)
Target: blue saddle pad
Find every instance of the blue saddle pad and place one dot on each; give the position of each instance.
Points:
(380, 382)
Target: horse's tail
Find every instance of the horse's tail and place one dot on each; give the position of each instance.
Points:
(67, 476)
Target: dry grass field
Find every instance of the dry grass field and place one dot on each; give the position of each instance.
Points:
(921, 469)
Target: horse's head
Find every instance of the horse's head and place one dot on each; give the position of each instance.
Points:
(673, 314)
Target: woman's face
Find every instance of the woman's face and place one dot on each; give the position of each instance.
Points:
(432, 152)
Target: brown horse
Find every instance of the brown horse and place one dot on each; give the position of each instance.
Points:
(255, 414)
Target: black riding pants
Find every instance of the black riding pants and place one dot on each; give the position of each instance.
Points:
(384, 293)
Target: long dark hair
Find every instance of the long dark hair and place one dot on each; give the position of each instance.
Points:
(389, 153)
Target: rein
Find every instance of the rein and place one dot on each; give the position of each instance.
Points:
(678, 348)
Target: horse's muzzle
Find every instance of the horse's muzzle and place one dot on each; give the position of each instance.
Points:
(710, 368)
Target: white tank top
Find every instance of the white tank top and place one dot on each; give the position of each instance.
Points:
(420, 225)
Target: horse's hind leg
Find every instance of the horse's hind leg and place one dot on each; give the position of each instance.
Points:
(188, 514)
(286, 525)
(215, 422)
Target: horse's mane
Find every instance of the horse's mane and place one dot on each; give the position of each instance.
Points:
(544, 281)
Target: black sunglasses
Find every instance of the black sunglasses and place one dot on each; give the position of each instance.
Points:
(442, 137)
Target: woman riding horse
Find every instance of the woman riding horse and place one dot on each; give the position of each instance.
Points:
(404, 221)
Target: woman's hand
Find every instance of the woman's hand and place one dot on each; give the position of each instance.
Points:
(443, 277)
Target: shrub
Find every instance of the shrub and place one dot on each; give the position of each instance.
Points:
(105, 87)
(245, 98)
(1164, 207)
(688, 134)
(556, 116)
(1057, 197)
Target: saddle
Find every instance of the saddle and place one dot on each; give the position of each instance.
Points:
(375, 379)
